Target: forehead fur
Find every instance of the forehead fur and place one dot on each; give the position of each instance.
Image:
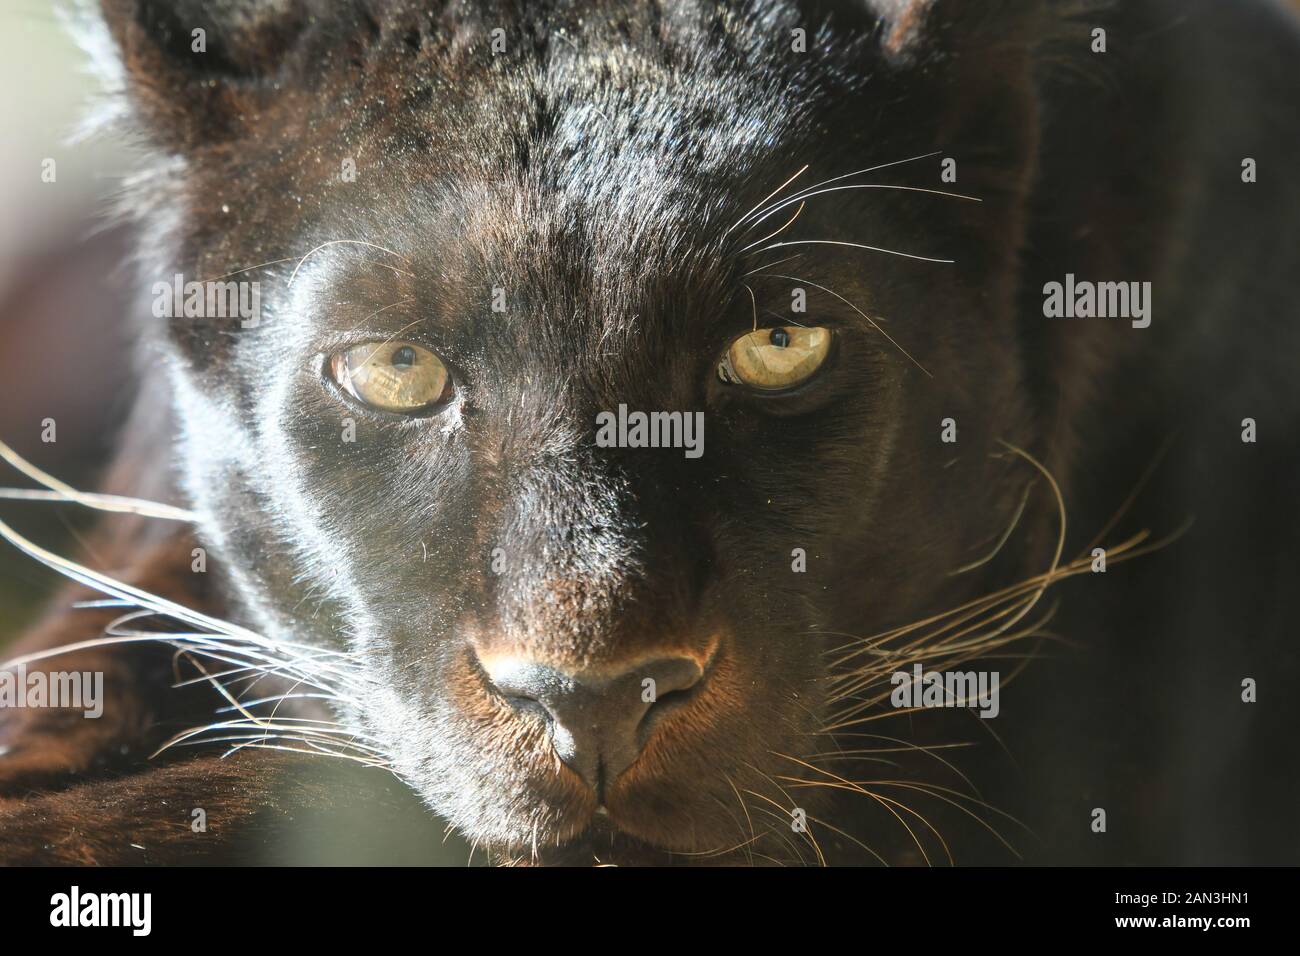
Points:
(595, 148)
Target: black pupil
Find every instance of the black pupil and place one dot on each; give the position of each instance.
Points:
(403, 357)
(780, 338)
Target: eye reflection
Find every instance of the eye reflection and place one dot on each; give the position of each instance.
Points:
(396, 377)
(775, 359)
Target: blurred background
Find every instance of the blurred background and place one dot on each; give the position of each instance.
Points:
(62, 341)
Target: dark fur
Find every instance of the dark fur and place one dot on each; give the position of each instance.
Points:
(593, 171)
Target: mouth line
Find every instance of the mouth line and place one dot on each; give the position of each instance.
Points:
(604, 842)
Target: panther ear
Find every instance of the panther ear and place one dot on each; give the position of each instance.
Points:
(902, 25)
(196, 70)
(909, 28)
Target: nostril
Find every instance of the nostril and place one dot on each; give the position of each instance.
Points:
(669, 699)
(673, 697)
(527, 684)
(599, 721)
(527, 705)
(672, 680)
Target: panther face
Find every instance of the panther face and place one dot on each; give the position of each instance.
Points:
(473, 251)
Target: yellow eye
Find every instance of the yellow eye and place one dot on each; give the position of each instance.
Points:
(773, 359)
(392, 376)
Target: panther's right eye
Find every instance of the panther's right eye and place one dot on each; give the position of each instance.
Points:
(398, 377)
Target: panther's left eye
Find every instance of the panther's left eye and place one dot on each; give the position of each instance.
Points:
(775, 359)
(392, 376)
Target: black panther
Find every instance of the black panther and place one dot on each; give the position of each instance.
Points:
(825, 231)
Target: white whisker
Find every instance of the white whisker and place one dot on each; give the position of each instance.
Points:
(853, 245)
(869, 319)
(835, 189)
(240, 650)
(358, 242)
(760, 203)
(769, 265)
(59, 491)
(835, 179)
(313, 752)
(773, 235)
(275, 698)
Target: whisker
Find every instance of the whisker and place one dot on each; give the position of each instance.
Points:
(887, 802)
(310, 753)
(854, 245)
(835, 179)
(785, 793)
(391, 305)
(780, 827)
(930, 789)
(744, 808)
(773, 235)
(1137, 490)
(359, 242)
(804, 197)
(908, 746)
(388, 341)
(59, 491)
(260, 265)
(1015, 520)
(259, 737)
(848, 836)
(753, 303)
(115, 588)
(869, 319)
(298, 725)
(774, 192)
(771, 264)
(718, 851)
(220, 640)
(277, 697)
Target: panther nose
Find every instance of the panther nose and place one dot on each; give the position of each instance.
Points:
(599, 720)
